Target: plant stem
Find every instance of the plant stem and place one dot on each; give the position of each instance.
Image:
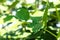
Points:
(50, 33)
(45, 19)
(35, 5)
(45, 15)
(58, 16)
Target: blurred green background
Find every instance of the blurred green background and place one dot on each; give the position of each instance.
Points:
(29, 19)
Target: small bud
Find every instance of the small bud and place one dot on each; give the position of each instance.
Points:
(14, 13)
(30, 1)
(40, 6)
(1, 25)
(30, 21)
(50, 0)
(58, 24)
(18, 6)
(8, 3)
(20, 26)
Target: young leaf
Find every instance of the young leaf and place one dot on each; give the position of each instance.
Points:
(35, 20)
(22, 14)
(37, 27)
(8, 18)
(37, 24)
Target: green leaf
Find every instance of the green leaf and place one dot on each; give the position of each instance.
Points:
(22, 14)
(9, 17)
(37, 27)
(35, 21)
(37, 24)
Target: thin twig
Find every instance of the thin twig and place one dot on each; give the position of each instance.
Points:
(50, 33)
